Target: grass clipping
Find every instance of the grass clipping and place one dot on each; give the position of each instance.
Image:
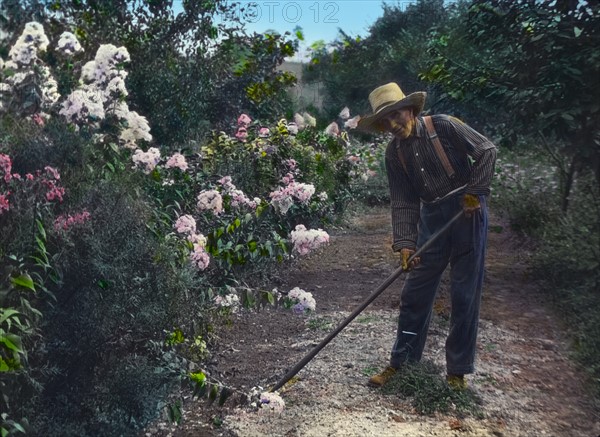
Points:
(430, 392)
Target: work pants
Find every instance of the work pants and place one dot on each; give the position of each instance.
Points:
(463, 246)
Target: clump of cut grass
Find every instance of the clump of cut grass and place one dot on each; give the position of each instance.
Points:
(430, 392)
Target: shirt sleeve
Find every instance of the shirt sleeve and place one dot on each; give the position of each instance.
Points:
(481, 150)
(404, 202)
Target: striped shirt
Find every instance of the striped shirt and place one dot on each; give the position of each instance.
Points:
(471, 154)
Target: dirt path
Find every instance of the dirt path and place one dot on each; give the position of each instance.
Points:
(526, 382)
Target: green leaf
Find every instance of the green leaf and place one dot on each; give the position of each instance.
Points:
(577, 31)
(212, 395)
(12, 342)
(225, 394)
(41, 229)
(198, 377)
(6, 314)
(24, 281)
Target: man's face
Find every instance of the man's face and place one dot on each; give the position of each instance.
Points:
(400, 123)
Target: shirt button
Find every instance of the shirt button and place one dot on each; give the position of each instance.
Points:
(416, 154)
(422, 169)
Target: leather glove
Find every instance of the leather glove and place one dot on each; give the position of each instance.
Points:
(405, 254)
(470, 204)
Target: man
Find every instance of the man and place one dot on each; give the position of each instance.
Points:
(431, 179)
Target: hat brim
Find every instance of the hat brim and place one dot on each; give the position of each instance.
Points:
(373, 122)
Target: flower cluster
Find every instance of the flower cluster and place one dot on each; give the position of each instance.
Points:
(230, 301)
(5, 167)
(102, 93)
(64, 222)
(177, 161)
(199, 256)
(49, 180)
(186, 226)
(54, 190)
(83, 105)
(283, 197)
(25, 64)
(210, 200)
(33, 38)
(147, 161)
(304, 120)
(238, 198)
(68, 44)
(301, 300)
(136, 126)
(307, 240)
(242, 130)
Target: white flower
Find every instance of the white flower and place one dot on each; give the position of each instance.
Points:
(137, 129)
(33, 38)
(147, 161)
(292, 128)
(345, 113)
(306, 240)
(82, 105)
(309, 119)
(303, 301)
(68, 44)
(352, 123)
(210, 200)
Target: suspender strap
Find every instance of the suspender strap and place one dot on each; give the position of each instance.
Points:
(437, 145)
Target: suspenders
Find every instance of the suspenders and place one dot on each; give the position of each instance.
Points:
(437, 146)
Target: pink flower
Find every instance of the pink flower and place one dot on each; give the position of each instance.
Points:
(5, 166)
(63, 222)
(242, 134)
(210, 200)
(199, 257)
(55, 192)
(52, 172)
(185, 224)
(264, 132)
(4, 205)
(177, 161)
(332, 130)
(352, 123)
(345, 113)
(243, 120)
(38, 119)
(29, 176)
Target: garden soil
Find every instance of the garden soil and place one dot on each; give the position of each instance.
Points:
(525, 379)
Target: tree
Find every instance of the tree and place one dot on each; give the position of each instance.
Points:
(531, 69)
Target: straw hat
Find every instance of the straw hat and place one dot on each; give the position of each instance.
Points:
(388, 98)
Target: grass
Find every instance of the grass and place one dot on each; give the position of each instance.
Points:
(319, 323)
(430, 393)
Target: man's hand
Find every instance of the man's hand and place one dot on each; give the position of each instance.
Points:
(470, 204)
(405, 254)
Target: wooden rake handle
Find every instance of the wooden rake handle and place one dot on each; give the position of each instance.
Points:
(385, 284)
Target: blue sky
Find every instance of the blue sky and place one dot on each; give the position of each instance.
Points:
(318, 19)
